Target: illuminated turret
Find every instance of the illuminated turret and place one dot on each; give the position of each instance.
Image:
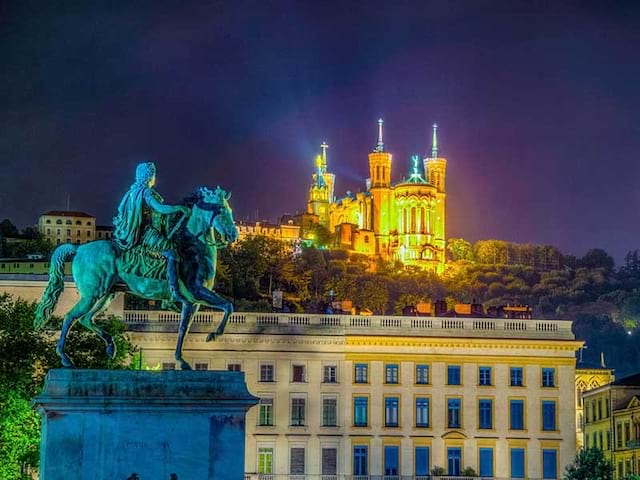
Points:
(381, 193)
(435, 166)
(321, 191)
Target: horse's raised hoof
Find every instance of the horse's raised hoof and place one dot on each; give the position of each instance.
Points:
(212, 336)
(111, 351)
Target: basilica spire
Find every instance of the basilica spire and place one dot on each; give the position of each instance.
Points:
(324, 147)
(380, 145)
(434, 142)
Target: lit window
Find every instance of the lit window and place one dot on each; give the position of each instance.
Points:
(391, 411)
(391, 373)
(516, 377)
(453, 413)
(265, 461)
(360, 411)
(330, 374)
(265, 417)
(361, 373)
(548, 377)
(422, 374)
(422, 412)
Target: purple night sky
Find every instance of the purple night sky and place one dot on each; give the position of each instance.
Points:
(538, 104)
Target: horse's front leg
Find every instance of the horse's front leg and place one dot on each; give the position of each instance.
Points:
(186, 318)
(213, 300)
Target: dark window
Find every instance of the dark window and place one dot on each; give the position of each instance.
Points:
(484, 376)
(391, 460)
(516, 414)
(516, 377)
(234, 367)
(453, 375)
(360, 460)
(266, 372)
(454, 461)
(330, 374)
(297, 411)
(329, 461)
(298, 373)
(486, 462)
(485, 414)
(548, 415)
(422, 461)
(329, 412)
(517, 463)
(549, 464)
(297, 461)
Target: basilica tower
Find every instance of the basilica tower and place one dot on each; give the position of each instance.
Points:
(435, 167)
(381, 193)
(321, 192)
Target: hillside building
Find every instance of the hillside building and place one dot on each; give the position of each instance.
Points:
(61, 226)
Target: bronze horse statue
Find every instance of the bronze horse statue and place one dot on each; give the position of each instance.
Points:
(102, 271)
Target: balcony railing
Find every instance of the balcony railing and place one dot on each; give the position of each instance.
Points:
(263, 476)
(633, 444)
(322, 324)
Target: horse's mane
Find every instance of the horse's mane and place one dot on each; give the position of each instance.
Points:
(193, 198)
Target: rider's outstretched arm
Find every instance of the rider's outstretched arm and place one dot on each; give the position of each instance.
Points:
(161, 207)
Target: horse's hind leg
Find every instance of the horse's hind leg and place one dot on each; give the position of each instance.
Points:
(213, 300)
(84, 305)
(87, 321)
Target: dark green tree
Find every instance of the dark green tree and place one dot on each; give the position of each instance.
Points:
(589, 464)
(25, 358)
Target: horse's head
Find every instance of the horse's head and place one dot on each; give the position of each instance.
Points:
(213, 206)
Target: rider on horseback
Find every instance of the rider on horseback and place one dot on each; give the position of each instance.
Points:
(139, 223)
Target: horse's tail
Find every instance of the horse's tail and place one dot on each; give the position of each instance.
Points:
(56, 284)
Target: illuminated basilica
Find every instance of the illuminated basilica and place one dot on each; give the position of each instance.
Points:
(402, 221)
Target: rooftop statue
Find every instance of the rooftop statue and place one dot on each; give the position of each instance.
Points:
(158, 252)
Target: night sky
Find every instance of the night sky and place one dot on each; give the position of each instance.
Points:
(538, 104)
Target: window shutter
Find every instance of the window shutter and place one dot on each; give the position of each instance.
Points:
(329, 461)
(297, 461)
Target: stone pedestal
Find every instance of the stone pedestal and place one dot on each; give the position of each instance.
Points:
(142, 425)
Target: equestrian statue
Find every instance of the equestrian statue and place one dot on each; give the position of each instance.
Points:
(158, 252)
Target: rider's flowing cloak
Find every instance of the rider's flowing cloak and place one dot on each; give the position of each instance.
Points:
(127, 223)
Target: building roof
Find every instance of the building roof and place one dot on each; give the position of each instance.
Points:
(67, 213)
(630, 381)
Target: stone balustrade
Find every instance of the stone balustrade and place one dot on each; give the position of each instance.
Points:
(320, 324)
